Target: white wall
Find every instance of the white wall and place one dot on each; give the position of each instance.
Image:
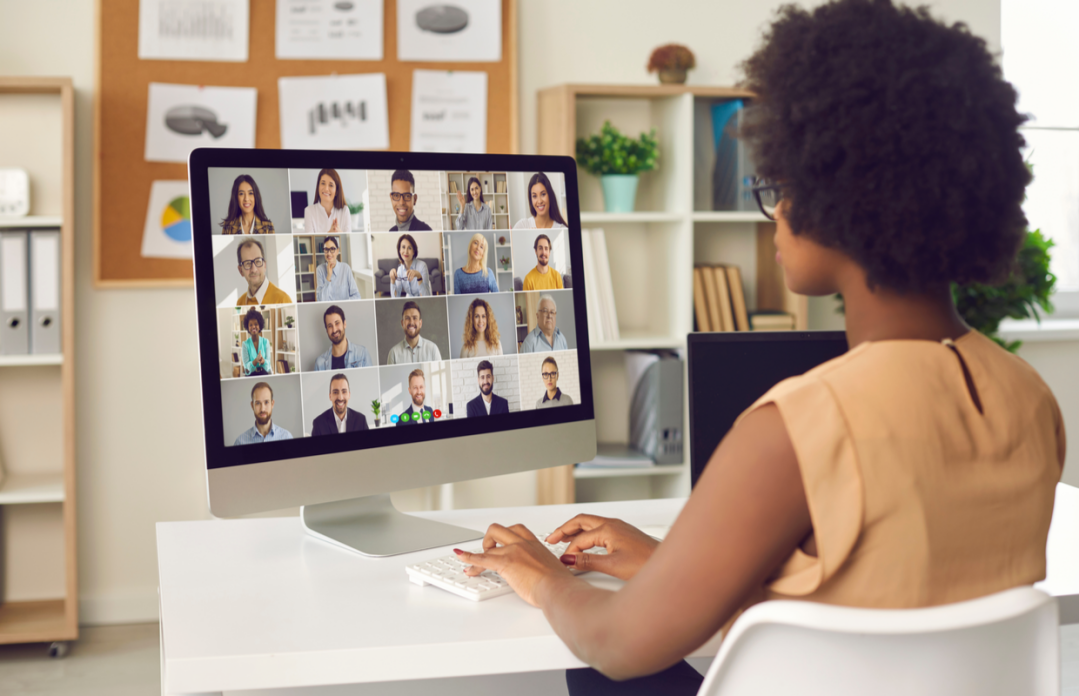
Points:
(140, 460)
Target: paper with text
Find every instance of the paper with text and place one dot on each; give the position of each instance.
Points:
(449, 111)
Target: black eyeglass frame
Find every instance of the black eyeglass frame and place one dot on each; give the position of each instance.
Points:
(759, 186)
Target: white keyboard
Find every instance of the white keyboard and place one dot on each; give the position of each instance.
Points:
(448, 573)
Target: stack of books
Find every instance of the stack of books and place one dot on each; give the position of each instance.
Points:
(719, 303)
(599, 297)
(500, 187)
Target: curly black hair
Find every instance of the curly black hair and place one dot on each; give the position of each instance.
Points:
(895, 138)
(253, 315)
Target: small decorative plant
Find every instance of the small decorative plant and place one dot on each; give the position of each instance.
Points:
(671, 62)
(505, 261)
(376, 408)
(289, 321)
(502, 241)
(610, 152)
(355, 208)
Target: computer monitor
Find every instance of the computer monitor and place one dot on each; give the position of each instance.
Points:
(730, 371)
(376, 349)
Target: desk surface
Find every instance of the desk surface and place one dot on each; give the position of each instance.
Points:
(250, 604)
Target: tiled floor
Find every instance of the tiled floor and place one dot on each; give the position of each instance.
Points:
(124, 661)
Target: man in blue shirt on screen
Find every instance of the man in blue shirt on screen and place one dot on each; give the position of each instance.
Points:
(545, 336)
(343, 354)
(264, 429)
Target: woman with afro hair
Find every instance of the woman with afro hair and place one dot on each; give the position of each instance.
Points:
(919, 468)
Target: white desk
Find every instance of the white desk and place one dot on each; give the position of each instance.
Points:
(259, 604)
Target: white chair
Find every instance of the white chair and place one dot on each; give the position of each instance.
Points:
(1006, 643)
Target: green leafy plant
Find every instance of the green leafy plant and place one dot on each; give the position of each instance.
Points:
(289, 321)
(355, 208)
(671, 57)
(610, 152)
(376, 407)
(505, 261)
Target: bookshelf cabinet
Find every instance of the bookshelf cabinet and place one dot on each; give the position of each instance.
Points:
(38, 581)
(652, 253)
(495, 193)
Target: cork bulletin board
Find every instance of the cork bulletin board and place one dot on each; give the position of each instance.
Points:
(122, 177)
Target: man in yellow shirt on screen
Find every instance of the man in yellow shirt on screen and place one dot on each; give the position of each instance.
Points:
(543, 277)
(252, 266)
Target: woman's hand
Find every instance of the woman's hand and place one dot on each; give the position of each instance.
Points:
(628, 548)
(393, 275)
(334, 227)
(519, 557)
(461, 199)
(414, 275)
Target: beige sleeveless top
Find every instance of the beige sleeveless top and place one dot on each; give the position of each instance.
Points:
(916, 497)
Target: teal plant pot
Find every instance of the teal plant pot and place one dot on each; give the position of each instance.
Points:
(619, 192)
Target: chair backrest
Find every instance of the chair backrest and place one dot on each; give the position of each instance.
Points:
(1006, 643)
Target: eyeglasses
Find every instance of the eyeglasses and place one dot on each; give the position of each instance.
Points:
(257, 263)
(550, 312)
(548, 375)
(329, 248)
(395, 197)
(768, 195)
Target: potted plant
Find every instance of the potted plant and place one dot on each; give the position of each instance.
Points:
(671, 62)
(505, 261)
(355, 208)
(289, 321)
(618, 160)
(502, 241)
(376, 407)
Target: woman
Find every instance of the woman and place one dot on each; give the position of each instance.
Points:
(481, 338)
(334, 279)
(552, 395)
(328, 213)
(410, 278)
(246, 215)
(255, 354)
(475, 214)
(475, 277)
(543, 205)
(917, 469)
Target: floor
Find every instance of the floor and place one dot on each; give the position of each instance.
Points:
(124, 661)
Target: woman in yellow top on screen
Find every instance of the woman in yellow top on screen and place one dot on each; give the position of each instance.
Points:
(481, 337)
(246, 215)
(475, 213)
(543, 205)
(919, 468)
(328, 213)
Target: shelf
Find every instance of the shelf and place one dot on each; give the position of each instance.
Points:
(30, 221)
(31, 360)
(613, 472)
(34, 622)
(631, 341)
(729, 216)
(21, 489)
(647, 216)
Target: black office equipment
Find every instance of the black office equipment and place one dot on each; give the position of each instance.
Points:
(729, 371)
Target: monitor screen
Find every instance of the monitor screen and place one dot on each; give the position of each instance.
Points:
(730, 371)
(423, 298)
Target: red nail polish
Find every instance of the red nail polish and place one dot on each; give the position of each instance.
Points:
(568, 559)
(458, 551)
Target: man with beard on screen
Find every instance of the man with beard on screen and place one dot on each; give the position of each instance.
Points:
(487, 403)
(543, 277)
(339, 418)
(264, 429)
(414, 347)
(417, 389)
(343, 353)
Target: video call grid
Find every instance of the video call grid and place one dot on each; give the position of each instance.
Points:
(455, 375)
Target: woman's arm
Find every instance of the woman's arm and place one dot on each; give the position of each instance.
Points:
(320, 282)
(346, 221)
(422, 286)
(492, 280)
(747, 514)
(245, 356)
(267, 354)
(353, 289)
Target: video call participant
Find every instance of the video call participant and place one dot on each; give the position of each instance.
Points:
(328, 213)
(411, 277)
(403, 199)
(481, 336)
(542, 204)
(554, 396)
(546, 336)
(343, 353)
(475, 276)
(255, 353)
(475, 214)
(334, 279)
(417, 390)
(245, 214)
(414, 347)
(339, 418)
(264, 429)
(252, 266)
(542, 277)
(487, 403)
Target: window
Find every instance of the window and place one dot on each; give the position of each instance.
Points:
(1040, 60)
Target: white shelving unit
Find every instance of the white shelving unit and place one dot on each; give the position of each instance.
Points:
(652, 253)
(498, 201)
(38, 577)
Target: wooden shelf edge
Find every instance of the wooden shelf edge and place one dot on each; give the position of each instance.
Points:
(27, 489)
(616, 472)
(638, 91)
(35, 622)
(30, 360)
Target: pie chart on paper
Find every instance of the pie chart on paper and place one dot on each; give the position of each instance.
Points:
(176, 219)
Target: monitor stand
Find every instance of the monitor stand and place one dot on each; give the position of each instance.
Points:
(371, 525)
